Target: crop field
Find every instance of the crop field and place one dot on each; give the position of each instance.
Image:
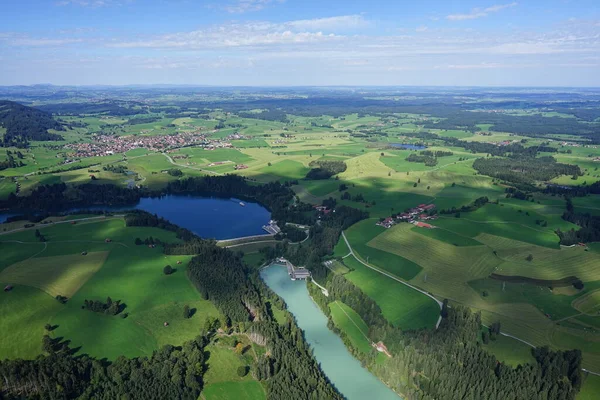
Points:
(589, 303)
(401, 305)
(545, 263)
(347, 320)
(447, 236)
(58, 275)
(446, 268)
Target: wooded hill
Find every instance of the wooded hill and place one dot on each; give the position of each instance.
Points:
(24, 123)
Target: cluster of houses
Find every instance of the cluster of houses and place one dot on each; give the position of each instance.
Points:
(237, 136)
(415, 215)
(322, 209)
(240, 166)
(103, 145)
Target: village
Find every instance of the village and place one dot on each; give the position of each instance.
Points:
(415, 216)
(103, 145)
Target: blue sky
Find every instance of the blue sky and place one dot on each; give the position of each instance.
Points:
(301, 42)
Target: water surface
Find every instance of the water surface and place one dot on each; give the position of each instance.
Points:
(408, 146)
(342, 369)
(207, 217)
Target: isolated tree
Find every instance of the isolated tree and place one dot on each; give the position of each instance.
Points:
(186, 312)
(485, 336)
(138, 241)
(242, 370)
(529, 257)
(168, 270)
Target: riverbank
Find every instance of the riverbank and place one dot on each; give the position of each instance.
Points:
(344, 371)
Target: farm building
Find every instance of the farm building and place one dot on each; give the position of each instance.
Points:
(8, 288)
(386, 223)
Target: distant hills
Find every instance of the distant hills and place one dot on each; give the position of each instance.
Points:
(24, 124)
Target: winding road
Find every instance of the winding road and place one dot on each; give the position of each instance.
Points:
(439, 303)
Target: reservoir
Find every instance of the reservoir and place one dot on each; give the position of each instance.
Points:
(208, 217)
(343, 370)
(408, 146)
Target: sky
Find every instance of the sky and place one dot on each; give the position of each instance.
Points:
(301, 42)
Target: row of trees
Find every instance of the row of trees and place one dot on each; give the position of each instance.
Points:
(108, 307)
(475, 205)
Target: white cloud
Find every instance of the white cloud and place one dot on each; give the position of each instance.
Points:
(342, 22)
(479, 12)
(243, 6)
(250, 34)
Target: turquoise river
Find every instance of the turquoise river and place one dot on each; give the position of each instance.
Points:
(343, 370)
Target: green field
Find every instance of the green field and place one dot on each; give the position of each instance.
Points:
(58, 275)
(590, 388)
(401, 305)
(132, 274)
(362, 233)
(348, 321)
(221, 380)
(509, 350)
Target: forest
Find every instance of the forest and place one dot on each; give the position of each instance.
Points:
(526, 170)
(589, 227)
(24, 124)
(325, 169)
(170, 373)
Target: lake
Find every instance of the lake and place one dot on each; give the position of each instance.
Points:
(207, 217)
(343, 370)
(408, 146)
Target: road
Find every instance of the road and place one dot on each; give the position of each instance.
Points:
(439, 303)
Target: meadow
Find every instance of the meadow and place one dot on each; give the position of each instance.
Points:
(348, 321)
(119, 269)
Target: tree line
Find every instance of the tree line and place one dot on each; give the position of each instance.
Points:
(169, 373)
